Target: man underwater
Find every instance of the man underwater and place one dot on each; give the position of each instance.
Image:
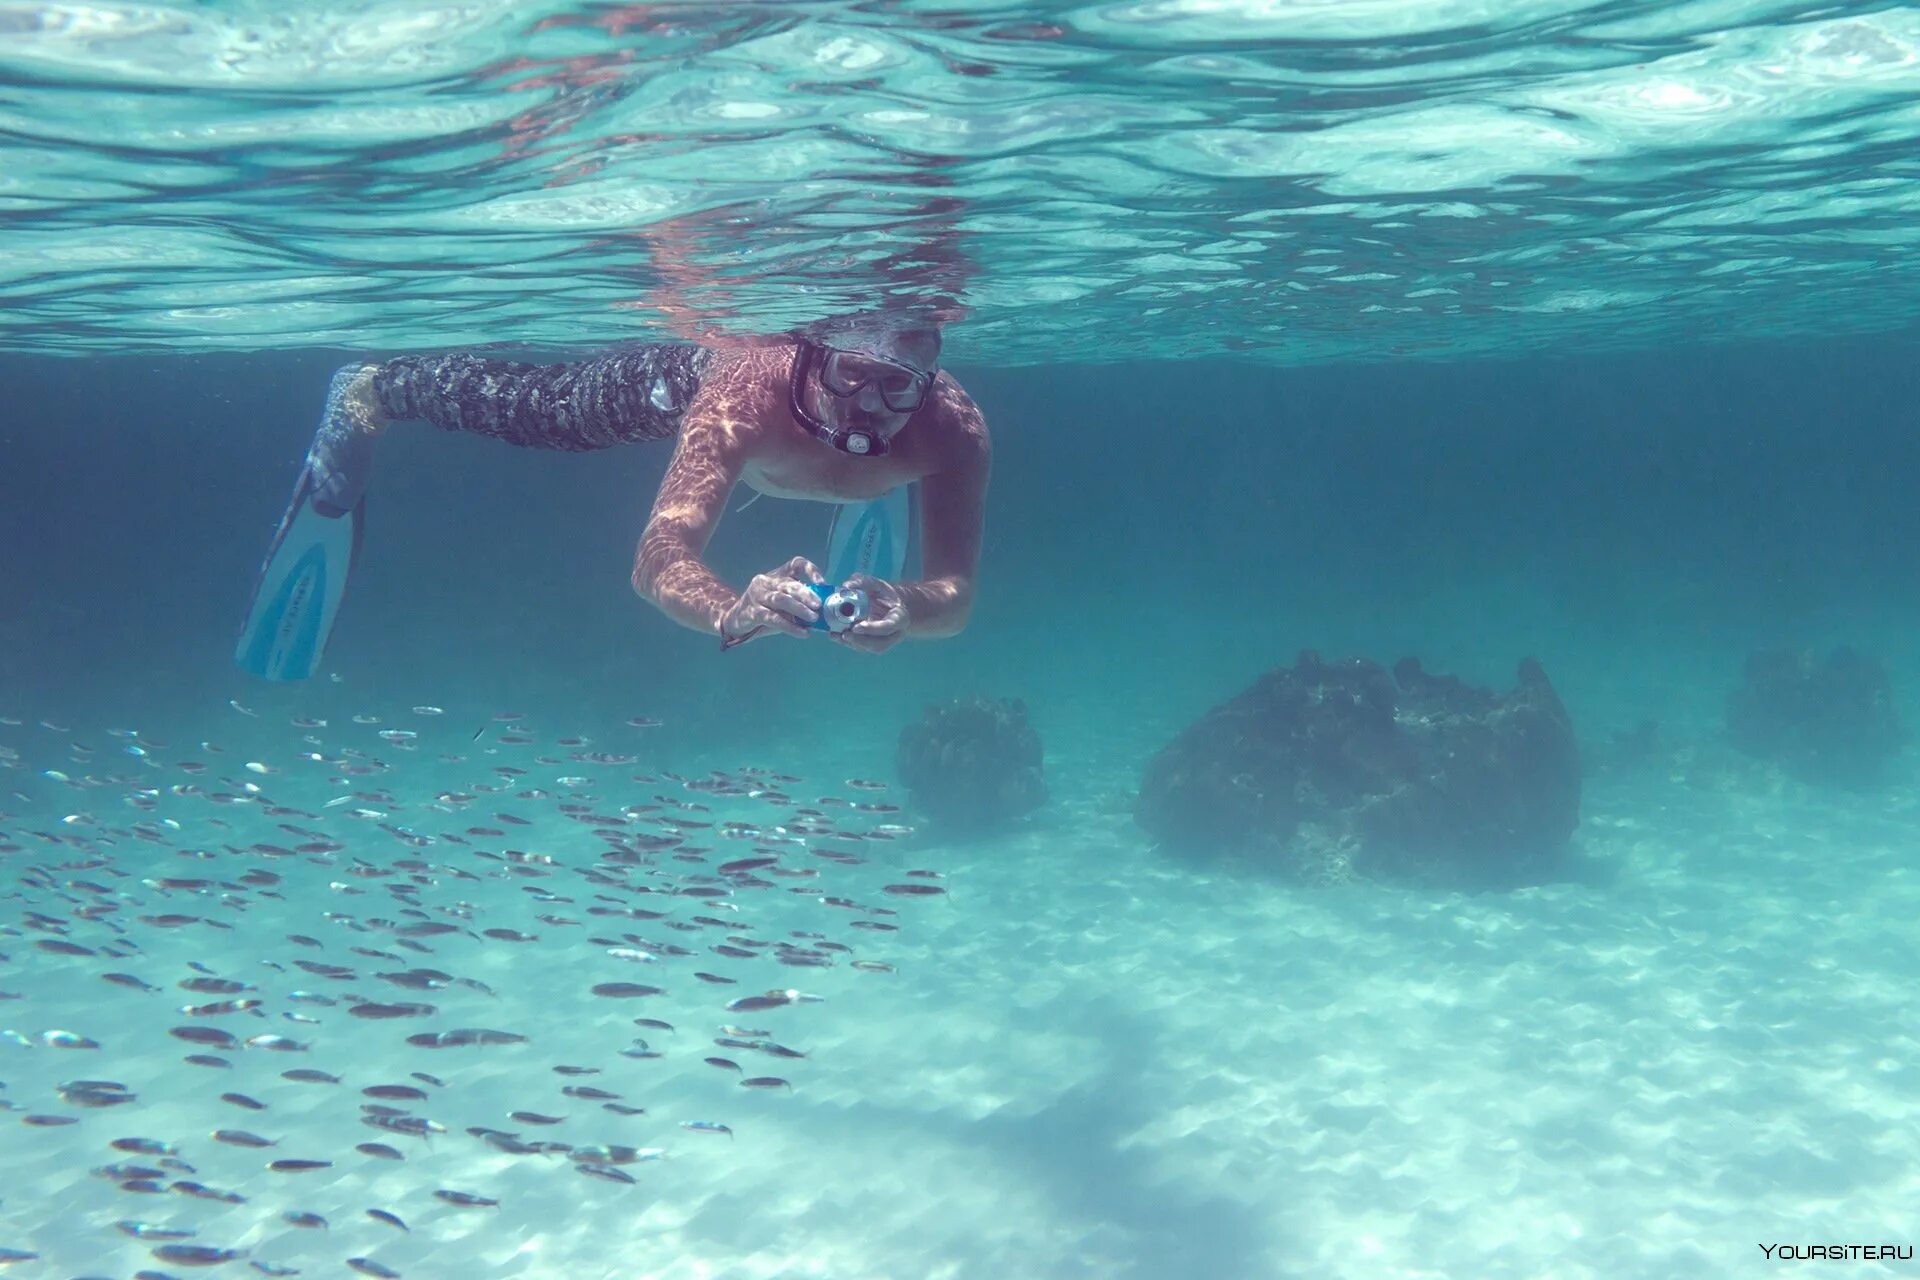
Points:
(843, 413)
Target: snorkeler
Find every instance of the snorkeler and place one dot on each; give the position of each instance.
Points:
(846, 413)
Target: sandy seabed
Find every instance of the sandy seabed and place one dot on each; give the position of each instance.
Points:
(1088, 1060)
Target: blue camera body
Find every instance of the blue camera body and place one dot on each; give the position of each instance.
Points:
(840, 607)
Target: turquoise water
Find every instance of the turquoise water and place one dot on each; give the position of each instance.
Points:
(1295, 181)
(1579, 332)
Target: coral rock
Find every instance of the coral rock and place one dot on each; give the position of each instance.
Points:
(973, 763)
(1327, 769)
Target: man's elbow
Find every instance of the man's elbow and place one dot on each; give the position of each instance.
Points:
(950, 619)
(645, 579)
(654, 564)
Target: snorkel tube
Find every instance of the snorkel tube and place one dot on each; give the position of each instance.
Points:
(859, 443)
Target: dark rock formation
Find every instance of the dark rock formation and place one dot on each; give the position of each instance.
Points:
(1330, 769)
(973, 763)
(1829, 722)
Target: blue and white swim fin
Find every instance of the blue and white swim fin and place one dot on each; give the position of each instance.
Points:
(305, 576)
(873, 537)
(300, 588)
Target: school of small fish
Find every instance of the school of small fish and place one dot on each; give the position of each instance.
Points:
(152, 886)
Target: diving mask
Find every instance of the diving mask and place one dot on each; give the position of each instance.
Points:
(846, 373)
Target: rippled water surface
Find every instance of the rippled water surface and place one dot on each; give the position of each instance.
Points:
(1301, 181)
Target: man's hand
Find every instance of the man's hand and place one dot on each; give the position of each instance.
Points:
(886, 622)
(780, 600)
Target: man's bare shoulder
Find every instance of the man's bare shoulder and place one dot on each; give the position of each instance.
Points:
(961, 426)
(744, 387)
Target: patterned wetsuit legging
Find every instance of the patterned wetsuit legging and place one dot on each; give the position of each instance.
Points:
(637, 393)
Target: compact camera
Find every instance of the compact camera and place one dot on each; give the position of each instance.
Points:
(840, 607)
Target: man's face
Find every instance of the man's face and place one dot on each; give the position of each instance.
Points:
(862, 391)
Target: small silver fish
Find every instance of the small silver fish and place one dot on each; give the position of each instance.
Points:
(280, 1044)
(197, 1255)
(534, 1117)
(144, 1146)
(95, 1093)
(152, 1231)
(605, 1172)
(129, 980)
(241, 1138)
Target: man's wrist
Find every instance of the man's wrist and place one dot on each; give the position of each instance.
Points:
(732, 633)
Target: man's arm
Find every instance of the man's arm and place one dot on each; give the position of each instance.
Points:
(953, 509)
(667, 568)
